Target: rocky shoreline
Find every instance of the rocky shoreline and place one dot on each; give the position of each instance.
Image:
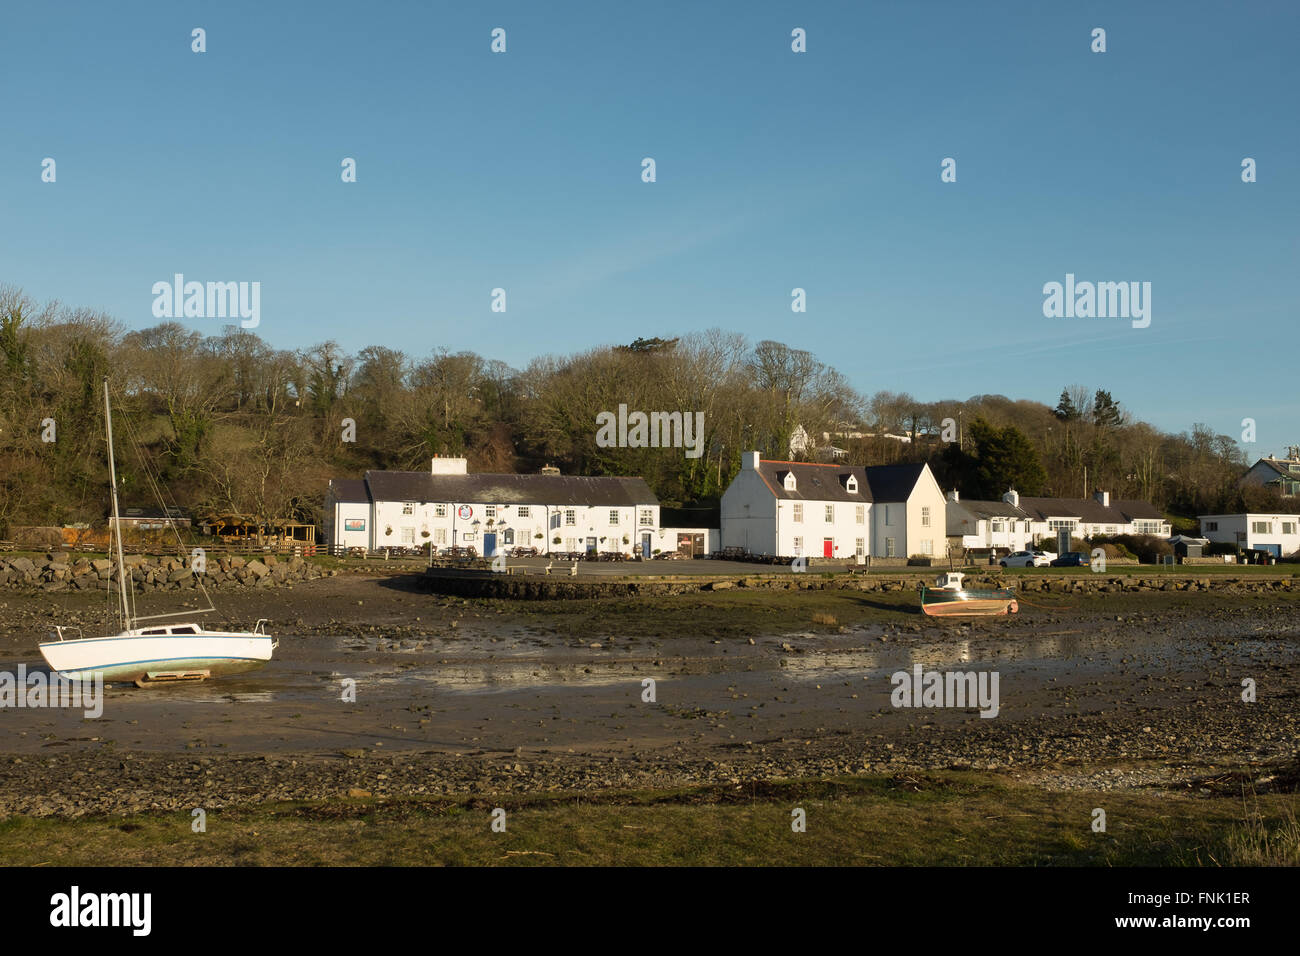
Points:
(1200, 749)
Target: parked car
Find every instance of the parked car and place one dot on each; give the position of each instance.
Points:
(1049, 555)
(1025, 559)
(1071, 559)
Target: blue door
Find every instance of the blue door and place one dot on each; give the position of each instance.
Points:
(1273, 549)
(489, 544)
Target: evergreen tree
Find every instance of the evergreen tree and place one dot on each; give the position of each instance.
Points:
(1065, 409)
(1005, 459)
(1105, 410)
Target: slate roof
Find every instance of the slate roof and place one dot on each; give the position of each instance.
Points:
(1279, 465)
(351, 490)
(610, 492)
(815, 482)
(989, 509)
(1090, 510)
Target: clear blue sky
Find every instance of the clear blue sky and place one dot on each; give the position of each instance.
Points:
(775, 170)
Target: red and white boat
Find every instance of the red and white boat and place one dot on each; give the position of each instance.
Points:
(950, 598)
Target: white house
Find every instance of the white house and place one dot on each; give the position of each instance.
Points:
(1277, 534)
(987, 525)
(446, 507)
(1085, 517)
(788, 509)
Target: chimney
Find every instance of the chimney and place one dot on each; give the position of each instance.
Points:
(1012, 497)
(750, 460)
(952, 495)
(1103, 497)
(447, 466)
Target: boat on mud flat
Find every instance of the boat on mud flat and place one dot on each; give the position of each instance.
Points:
(156, 653)
(950, 598)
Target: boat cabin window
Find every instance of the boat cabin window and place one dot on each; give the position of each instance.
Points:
(156, 630)
(183, 630)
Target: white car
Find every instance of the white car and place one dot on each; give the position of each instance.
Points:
(1026, 559)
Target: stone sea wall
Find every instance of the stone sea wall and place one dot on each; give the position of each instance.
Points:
(61, 571)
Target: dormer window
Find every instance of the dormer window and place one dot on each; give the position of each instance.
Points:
(789, 482)
(851, 485)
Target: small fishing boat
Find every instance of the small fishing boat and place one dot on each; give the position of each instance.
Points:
(157, 653)
(950, 598)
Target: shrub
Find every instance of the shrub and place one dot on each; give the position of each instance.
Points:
(1112, 546)
(1147, 548)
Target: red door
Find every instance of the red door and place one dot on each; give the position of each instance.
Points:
(828, 547)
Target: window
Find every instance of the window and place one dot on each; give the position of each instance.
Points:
(523, 511)
(890, 552)
(925, 517)
(888, 517)
(830, 514)
(798, 546)
(999, 524)
(408, 536)
(508, 536)
(439, 535)
(1058, 524)
(927, 546)
(1261, 527)
(490, 511)
(440, 511)
(1110, 529)
(851, 485)
(1211, 526)
(647, 517)
(860, 514)
(1288, 527)
(860, 547)
(613, 516)
(408, 508)
(798, 511)
(570, 517)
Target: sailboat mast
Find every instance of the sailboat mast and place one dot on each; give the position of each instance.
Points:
(117, 518)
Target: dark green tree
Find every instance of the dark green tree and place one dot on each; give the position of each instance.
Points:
(1065, 409)
(1004, 458)
(1105, 410)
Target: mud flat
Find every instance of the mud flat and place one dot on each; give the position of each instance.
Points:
(456, 696)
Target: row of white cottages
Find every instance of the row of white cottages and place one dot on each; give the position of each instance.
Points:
(770, 508)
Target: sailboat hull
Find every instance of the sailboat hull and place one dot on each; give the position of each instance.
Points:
(131, 656)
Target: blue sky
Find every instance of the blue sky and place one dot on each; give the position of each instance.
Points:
(775, 170)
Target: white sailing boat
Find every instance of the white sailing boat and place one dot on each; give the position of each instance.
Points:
(154, 653)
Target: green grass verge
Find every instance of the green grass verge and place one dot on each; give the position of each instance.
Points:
(956, 818)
